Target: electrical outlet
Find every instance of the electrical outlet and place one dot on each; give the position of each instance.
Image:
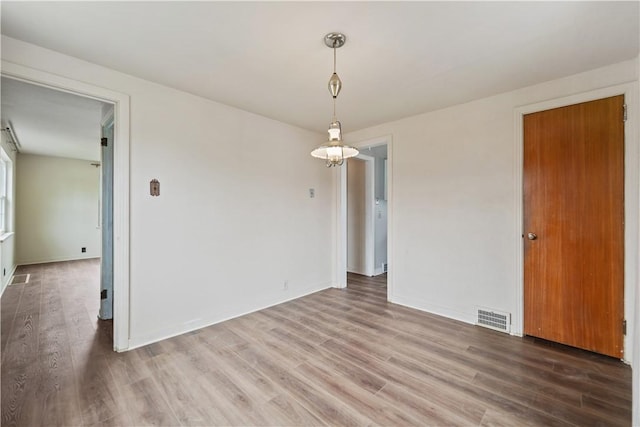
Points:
(312, 193)
(84, 250)
(285, 285)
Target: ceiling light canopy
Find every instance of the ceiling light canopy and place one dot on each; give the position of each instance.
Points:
(334, 151)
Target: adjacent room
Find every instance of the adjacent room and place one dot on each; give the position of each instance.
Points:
(320, 213)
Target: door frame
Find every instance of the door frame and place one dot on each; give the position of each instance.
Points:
(631, 195)
(340, 279)
(121, 103)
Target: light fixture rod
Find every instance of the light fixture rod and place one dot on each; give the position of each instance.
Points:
(334, 110)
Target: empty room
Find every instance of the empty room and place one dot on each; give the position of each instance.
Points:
(320, 213)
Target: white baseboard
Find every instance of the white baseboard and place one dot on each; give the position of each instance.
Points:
(428, 307)
(48, 261)
(195, 324)
(378, 271)
(354, 271)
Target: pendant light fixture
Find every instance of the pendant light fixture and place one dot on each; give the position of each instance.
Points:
(334, 151)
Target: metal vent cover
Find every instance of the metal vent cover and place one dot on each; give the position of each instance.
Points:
(493, 319)
(20, 279)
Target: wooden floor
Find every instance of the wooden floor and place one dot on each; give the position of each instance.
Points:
(338, 357)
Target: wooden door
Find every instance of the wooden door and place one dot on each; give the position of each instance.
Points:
(574, 204)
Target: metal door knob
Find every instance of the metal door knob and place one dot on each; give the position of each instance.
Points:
(532, 236)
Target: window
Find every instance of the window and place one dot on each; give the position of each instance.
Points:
(5, 191)
(3, 196)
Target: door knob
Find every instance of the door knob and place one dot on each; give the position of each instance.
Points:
(532, 236)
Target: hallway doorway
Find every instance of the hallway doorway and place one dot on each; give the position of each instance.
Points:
(367, 212)
(377, 220)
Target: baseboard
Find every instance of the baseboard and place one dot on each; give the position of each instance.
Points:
(196, 324)
(48, 261)
(438, 310)
(5, 285)
(354, 271)
(378, 271)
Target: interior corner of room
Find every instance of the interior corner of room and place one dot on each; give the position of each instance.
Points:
(165, 180)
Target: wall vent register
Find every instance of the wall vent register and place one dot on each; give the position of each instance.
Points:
(495, 320)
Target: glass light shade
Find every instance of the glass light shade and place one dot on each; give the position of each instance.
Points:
(334, 134)
(348, 152)
(334, 153)
(335, 131)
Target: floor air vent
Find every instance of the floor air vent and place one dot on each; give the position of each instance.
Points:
(20, 279)
(495, 320)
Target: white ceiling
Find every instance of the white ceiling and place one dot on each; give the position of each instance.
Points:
(401, 58)
(52, 123)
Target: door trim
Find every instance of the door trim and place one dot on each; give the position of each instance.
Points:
(631, 193)
(121, 104)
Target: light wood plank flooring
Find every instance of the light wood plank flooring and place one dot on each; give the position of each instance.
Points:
(337, 357)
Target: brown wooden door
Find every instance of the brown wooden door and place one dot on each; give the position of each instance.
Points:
(574, 203)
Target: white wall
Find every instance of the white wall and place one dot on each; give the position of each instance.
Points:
(636, 344)
(7, 242)
(356, 217)
(7, 260)
(234, 219)
(56, 209)
(636, 362)
(380, 219)
(454, 200)
(379, 177)
(380, 249)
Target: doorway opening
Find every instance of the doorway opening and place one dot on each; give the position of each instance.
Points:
(365, 215)
(118, 104)
(63, 187)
